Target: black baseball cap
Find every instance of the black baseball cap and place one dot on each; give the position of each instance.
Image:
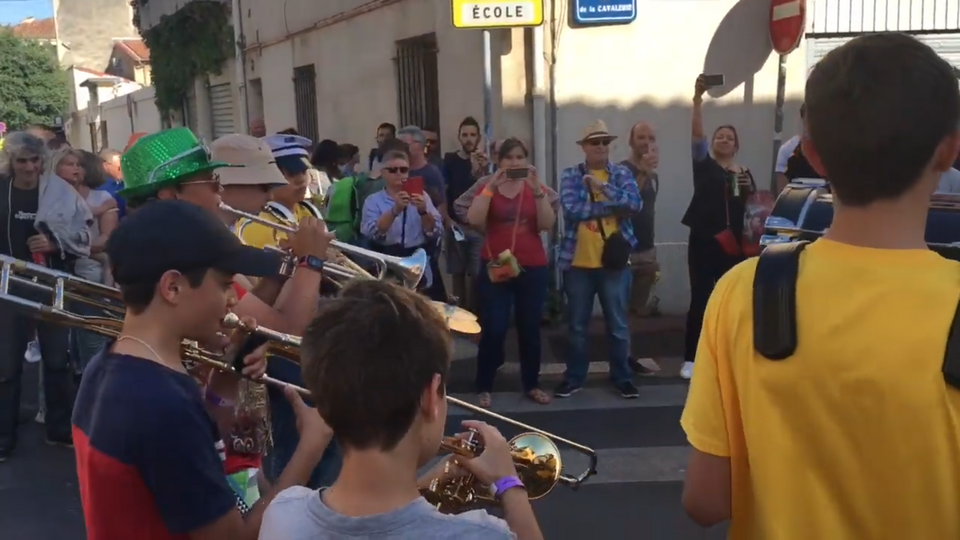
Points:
(176, 235)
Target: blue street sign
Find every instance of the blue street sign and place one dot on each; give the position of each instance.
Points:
(601, 12)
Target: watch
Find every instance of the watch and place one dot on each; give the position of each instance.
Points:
(502, 485)
(310, 263)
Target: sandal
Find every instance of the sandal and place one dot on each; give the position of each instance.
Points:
(539, 396)
(484, 400)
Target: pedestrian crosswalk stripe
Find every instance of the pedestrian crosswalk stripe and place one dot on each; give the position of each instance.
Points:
(660, 395)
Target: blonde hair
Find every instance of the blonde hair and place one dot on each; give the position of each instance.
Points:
(58, 156)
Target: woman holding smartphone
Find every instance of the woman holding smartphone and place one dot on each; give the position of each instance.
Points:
(512, 207)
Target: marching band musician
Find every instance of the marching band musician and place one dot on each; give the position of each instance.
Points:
(287, 206)
(850, 432)
(146, 446)
(173, 164)
(377, 358)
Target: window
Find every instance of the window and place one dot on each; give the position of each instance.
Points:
(418, 85)
(305, 99)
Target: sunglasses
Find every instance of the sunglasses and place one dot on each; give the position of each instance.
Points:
(395, 170)
(600, 142)
(213, 181)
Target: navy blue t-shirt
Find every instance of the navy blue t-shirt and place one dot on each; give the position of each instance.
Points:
(148, 454)
(433, 183)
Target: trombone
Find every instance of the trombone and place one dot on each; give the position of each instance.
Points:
(410, 269)
(535, 451)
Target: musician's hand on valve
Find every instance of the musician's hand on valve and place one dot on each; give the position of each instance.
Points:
(41, 243)
(495, 462)
(315, 434)
(311, 238)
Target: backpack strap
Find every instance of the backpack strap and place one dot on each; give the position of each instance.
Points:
(314, 211)
(951, 358)
(280, 212)
(775, 300)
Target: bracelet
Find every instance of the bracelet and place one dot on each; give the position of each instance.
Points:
(502, 485)
(218, 401)
(486, 192)
(539, 195)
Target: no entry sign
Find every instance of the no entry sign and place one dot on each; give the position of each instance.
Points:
(787, 19)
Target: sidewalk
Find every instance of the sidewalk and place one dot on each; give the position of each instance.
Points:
(660, 338)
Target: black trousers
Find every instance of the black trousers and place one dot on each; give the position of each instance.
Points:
(706, 264)
(16, 331)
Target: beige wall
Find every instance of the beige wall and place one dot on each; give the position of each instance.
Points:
(646, 71)
(123, 118)
(356, 80)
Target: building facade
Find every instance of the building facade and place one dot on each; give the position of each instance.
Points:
(336, 69)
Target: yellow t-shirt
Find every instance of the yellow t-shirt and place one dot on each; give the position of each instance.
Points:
(856, 436)
(257, 235)
(589, 250)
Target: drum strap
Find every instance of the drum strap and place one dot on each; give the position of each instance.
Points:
(775, 300)
(951, 359)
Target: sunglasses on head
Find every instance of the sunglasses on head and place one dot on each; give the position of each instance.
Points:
(395, 170)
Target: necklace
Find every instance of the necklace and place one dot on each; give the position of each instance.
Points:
(141, 342)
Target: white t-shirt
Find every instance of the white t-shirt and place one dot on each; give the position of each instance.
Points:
(299, 513)
(786, 150)
(949, 182)
(87, 267)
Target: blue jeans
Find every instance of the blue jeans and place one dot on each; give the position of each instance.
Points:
(526, 295)
(613, 288)
(285, 434)
(84, 344)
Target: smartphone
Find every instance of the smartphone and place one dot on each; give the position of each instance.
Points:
(517, 174)
(414, 186)
(712, 81)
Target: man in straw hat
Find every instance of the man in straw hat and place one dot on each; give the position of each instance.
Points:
(597, 196)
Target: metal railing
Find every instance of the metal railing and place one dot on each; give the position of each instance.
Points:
(848, 18)
(305, 101)
(418, 85)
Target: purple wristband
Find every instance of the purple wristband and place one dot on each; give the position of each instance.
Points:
(502, 485)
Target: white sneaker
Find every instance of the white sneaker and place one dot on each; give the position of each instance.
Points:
(687, 370)
(41, 416)
(32, 354)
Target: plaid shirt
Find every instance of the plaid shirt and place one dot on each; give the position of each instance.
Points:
(621, 192)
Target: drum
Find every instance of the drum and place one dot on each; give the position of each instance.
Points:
(804, 210)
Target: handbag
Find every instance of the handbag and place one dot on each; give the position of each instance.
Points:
(506, 267)
(616, 248)
(729, 243)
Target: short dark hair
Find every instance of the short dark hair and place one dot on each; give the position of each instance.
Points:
(509, 145)
(394, 145)
(877, 109)
(289, 131)
(138, 296)
(367, 357)
(347, 151)
(395, 154)
(468, 122)
(94, 175)
(388, 125)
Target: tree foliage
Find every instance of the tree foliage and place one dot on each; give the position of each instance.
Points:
(33, 88)
(196, 41)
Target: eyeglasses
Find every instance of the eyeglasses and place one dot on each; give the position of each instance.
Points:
(395, 170)
(213, 181)
(24, 161)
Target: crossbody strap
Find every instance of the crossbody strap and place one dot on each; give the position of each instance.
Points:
(599, 220)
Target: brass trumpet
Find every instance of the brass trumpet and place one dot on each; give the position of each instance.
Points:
(410, 269)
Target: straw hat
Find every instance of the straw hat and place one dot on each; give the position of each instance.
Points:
(596, 131)
(254, 162)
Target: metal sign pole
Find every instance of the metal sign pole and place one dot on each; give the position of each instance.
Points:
(488, 99)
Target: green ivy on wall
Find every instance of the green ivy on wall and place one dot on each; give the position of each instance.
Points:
(196, 41)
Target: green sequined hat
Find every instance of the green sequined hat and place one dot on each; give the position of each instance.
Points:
(163, 159)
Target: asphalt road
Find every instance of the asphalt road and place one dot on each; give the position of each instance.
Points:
(636, 493)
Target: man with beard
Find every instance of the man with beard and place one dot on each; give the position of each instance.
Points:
(461, 169)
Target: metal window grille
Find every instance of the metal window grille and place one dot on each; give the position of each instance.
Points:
(849, 18)
(305, 99)
(418, 85)
(221, 109)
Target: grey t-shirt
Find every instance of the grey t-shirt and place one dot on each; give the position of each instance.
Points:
(299, 513)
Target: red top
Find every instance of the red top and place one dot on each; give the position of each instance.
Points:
(239, 290)
(528, 248)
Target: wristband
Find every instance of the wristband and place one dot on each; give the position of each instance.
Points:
(310, 263)
(218, 401)
(502, 485)
(486, 192)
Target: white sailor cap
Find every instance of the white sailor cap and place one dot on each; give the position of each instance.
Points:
(287, 145)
